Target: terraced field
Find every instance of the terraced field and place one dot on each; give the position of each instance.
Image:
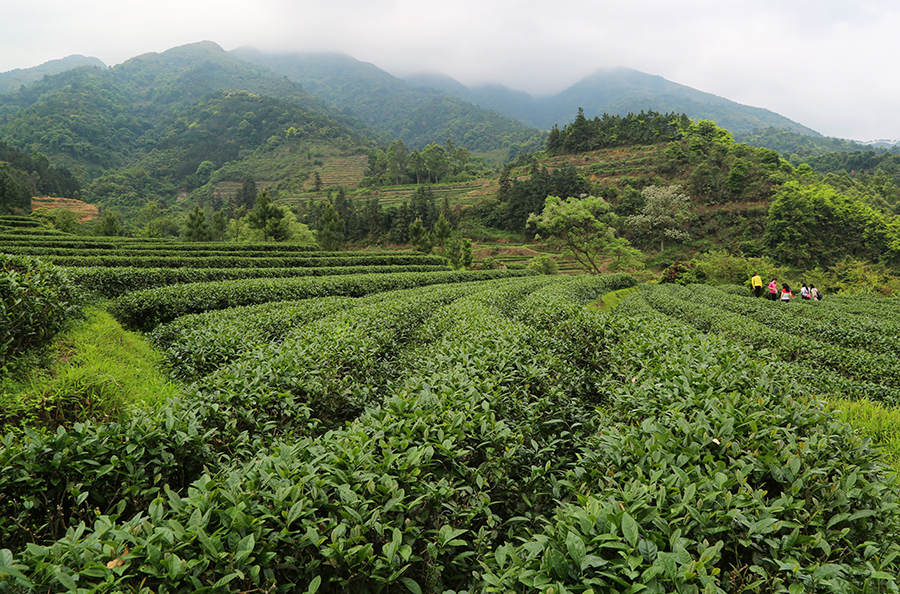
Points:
(458, 433)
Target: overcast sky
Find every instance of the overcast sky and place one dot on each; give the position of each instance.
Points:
(831, 65)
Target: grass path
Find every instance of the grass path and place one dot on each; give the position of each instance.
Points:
(96, 370)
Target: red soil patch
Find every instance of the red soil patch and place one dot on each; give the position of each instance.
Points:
(83, 210)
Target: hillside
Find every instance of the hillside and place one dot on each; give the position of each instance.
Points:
(82, 210)
(615, 92)
(24, 77)
(414, 115)
(138, 132)
(92, 120)
(798, 147)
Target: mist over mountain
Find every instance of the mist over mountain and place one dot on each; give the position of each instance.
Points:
(416, 115)
(616, 92)
(14, 79)
(93, 119)
(416, 109)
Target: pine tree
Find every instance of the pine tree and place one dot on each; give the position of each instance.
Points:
(329, 229)
(196, 228)
(266, 217)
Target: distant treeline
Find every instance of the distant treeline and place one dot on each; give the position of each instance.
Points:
(612, 130)
(798, 148)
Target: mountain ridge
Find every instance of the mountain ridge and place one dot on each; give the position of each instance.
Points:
(614, 91)
(18, 77)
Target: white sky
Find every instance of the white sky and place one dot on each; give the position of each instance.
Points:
(831, 65)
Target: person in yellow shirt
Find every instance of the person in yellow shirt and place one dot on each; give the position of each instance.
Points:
(757, 284)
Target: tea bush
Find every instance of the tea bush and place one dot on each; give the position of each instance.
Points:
(244, 261)
(116, 281)
(37, 300)
(493, 437)
(143, 310)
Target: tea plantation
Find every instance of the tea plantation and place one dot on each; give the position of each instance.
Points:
(445, 431)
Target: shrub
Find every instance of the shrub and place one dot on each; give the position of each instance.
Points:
(544, 264)
(36, 301)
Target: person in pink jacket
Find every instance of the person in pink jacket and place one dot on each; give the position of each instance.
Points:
(773, 289)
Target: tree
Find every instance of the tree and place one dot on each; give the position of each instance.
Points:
(329, 229)
(204, 172)
(459, 252)
(543, 264)
(420, 237)
(417, 163)
(109, 225)
(461, 157)
(219, 225)
(246, 196)
(665, 211)
(579, 133)
(157, 220)
(377, 165)
(815, 225)
(267, 217)
(15, 195)
(435, 158)
(583, 228)
(196, 228)
(553, 140)
(442, 230)
(317, 181)
(397, 160)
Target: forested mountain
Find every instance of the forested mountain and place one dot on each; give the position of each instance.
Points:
(208, 140)
(14, 79)
(93, 120)
(616, 92)
(139, 131)
(798, 147)
(417, 116)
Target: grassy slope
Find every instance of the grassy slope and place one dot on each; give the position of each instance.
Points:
(96, 370)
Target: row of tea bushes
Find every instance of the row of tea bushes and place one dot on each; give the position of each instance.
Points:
(113, 282)
(196, 344)
(235, 250)
(267, 411)
(225, 414)
(144, 310)
(819, 382)
(226, 261)
(30, 239)
(859, 365)
(18, 222)
(817, 321)
(472, 468)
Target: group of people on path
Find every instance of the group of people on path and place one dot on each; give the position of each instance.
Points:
(810, 293)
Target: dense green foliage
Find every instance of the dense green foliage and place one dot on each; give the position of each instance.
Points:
(492, 436)
(518, 198)
(15, 79)
(581, 226)
(219, 260)
(147, 126)
(145, 309)
(115, 281)
(803, 148)
(24, 175)
(37, 300)
(610, 130)
(220, 128)
(815, 225)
